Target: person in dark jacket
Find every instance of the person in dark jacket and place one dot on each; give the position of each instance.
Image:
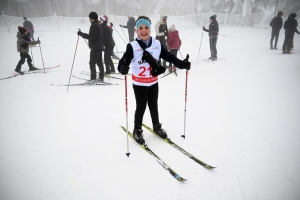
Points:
(174, 43)
(23, 43)
(114, 56)
(161, 30)
(109, 44)
(276, 25)
(145, 76)
(130, 26)
(95, 38)
(29, 26)
(290, 26)
(213, 31)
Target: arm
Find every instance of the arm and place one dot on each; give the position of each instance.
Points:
(166, 55)
(128, 55)
(271, 23)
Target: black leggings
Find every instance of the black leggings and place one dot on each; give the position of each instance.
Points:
(22, 60)
(144, 95)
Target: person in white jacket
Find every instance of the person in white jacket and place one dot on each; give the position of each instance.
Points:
(161, 30)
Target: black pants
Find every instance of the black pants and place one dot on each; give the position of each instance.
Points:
(131, 35)
(109, 65)
(22, 60)
(174, 52)
(213, 46)
(144, 95)
(31, 36)
(275, 34)
(288, 43)
(96, 58)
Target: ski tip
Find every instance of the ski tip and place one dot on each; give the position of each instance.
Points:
(127, 154)
(183, 136)
(209, 167)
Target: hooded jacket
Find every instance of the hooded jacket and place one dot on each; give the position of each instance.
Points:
(107, 35)
(213, 29)
(173, 40)
(290, 26)
(276, 22)
(23, 42)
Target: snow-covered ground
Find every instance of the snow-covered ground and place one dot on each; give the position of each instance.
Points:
(242, 116)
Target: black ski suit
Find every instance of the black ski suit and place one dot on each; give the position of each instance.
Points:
(213, 31)
(276, 25)
(290, 26)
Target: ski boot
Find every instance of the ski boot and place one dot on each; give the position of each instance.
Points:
(159, 131)
(32, 68)
(138, 136)
(19, 71)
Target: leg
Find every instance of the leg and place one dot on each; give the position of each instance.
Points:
(131, 35)
(100, 64)
(93, 59)
(31, 36)
(214, 47)
(21, 62)
(210, 46)
(276, 39)
(29, 60)
(106, 60)
(110, 62)
(152, 103)
(141, 98)
(271, 41)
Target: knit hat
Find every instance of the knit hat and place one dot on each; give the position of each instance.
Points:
(93, 16)
(279, 13)
(172, 27)
(102, 18)
(22, 29)
(213, 17)
(293, 15)
(128, 15)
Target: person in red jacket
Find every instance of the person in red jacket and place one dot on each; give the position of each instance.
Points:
(174, 43)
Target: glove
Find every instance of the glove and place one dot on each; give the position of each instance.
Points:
(158, 71)
(124, 69)
(166, 34)
(111, 24)
(121, 26)
(39, 42)
(186, 64)
(203, 28)
(79, 33)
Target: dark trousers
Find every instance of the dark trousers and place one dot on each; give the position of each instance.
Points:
(174, 52)
(96, 58)
(288, 43)
(145, 95)
(22, 60)
(213, 46)
(131, 35)
(109, 65)
(31, 36)
(275, 34)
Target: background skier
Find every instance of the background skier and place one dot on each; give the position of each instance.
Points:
(290, 26)
(161, 30)
(130, 26)
(29, 26)
(174, 43)
(276, 25)
(213, 31)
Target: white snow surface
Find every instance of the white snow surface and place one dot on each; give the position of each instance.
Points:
(242, 116)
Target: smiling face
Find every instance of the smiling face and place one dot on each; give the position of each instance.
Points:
(143, 32)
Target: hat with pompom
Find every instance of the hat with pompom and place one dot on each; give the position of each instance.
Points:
(172, 27)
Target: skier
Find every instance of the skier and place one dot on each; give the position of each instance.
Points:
(213, 31)
(290, 26)
(145, 76)
(276, 25)
(130, 27)
(95, 38)
(174, 43)
(109, 44)
(114, 56)
(23, 43)
(29, 26)
(161, 30)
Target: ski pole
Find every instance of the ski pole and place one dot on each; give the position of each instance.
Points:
(120, 35)
(84, 39)
(186, 82)
(116, 46)
(126, 107)
(31, 55)
(200, 45)
(123, 32)
(180, 54)
(72, 64)
(41, 55)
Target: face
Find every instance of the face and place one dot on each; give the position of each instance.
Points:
(91, 20)
(144, 32)
(164, 21)
(210, 21)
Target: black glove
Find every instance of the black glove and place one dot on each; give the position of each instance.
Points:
(158, 71)
(124, 69)
(121, 26)
(186, 64)
(203, 28)
(111, 24)
(79, 33)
